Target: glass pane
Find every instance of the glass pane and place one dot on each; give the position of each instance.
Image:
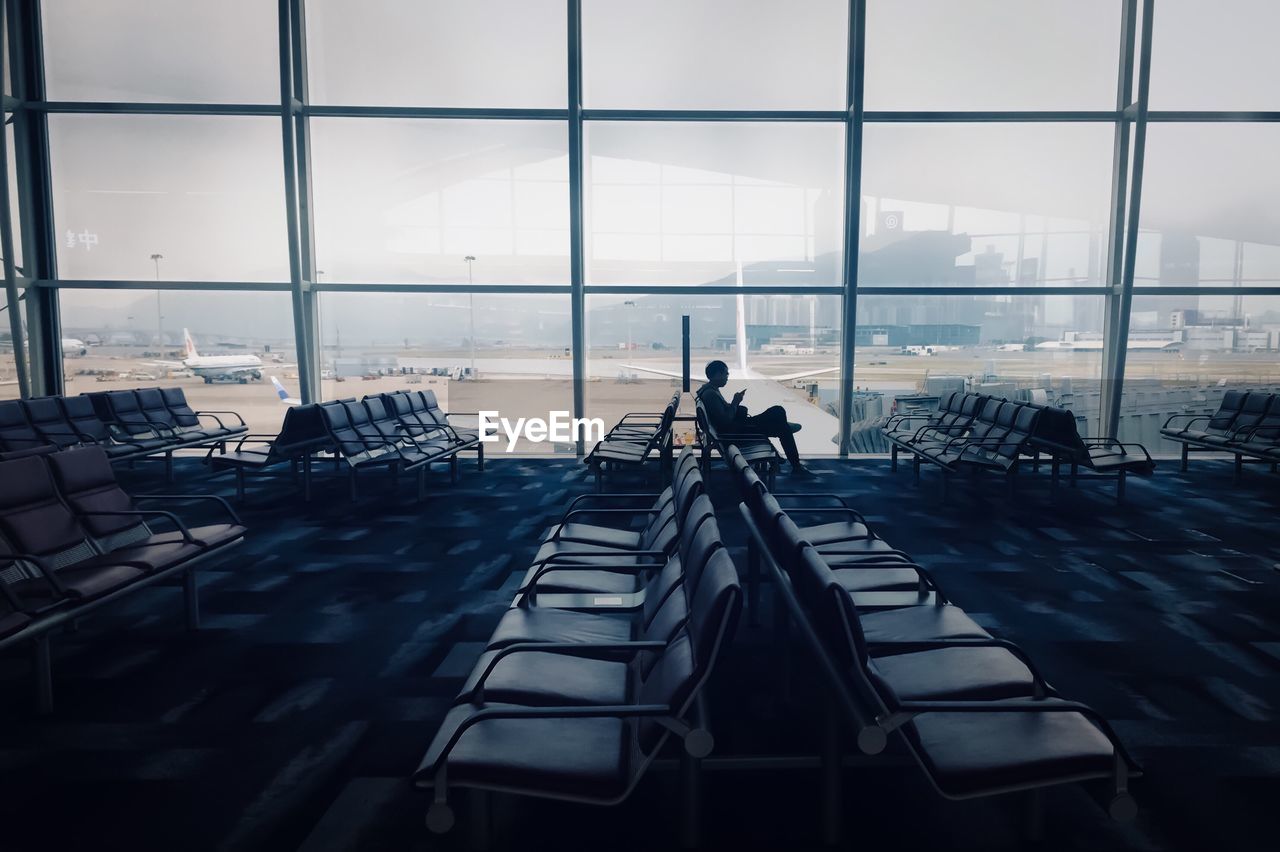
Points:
(692, 203)
(985, 204)
(992, 54)
(1209, 213)
(714, 54)
(477, 53)
(791, 356)
(140, 50)
(516, 363)
(406, 200)
(8, 364)
(1235, 64)
(913, 349)
(116, 339)
(1186, 351)
(206, 193)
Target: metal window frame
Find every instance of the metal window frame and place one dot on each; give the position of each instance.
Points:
(40, 283)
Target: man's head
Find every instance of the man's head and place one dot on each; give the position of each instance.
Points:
(718, 373)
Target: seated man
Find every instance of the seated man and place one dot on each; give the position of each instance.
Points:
(731, 417)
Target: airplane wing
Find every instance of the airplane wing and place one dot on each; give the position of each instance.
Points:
(818, 372)
(283, 394)
(659, 372)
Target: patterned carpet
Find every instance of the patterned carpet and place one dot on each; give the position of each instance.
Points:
(334, 639)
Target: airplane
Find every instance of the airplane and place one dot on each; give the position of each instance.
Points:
(285, 399)
(71, 347)
(1095, 345)
(210, 367)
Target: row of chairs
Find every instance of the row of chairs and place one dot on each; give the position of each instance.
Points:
(126, 424)
(401, 431)
(72, 541)
(1246, 424)
(633, 442)
(599, 662)
(903, 664)
(972, 432)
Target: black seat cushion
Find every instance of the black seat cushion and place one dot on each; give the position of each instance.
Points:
(583, 757)
(920, 623)
(819, 534)
(600, 535)
(535, 624)
(968, 753)
(877, 579)
(967, 674)
(547, 679)
(210, 535)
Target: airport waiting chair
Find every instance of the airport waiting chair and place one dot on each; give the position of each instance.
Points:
(210, 423)
(757, 450)
(639, 426)
(1200, 432)
(17, 436)
(83, 417)
(1057, 436)
(51, 424)
(71, 542)
(1246, 425)
(609, 457)
(302, 435)
(506, 747)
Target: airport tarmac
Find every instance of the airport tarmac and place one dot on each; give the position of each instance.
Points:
(531, 383)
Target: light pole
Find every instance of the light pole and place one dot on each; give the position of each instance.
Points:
(629, 304)
(156, 258)
(471, 299)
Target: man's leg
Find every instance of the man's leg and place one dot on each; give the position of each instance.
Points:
(772, 423)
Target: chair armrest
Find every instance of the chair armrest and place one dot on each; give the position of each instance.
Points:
(221, 501)
(227, 413)
(158, 513)
(1194, 418)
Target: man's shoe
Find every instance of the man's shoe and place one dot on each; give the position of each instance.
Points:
(801, 471)
(795, 427)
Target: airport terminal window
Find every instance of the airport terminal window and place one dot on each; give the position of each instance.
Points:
(405, 200)
(14, 207)
(203, 193)
(1017, 204)
(520, 364)
(992, 54)
(479, 53)
(1215, 56)
(714, 54)
(141, 50)
(694, 203)
(1185, 351)
(1046, 348)
(792, 355)
(1209, 214)
(118, 339)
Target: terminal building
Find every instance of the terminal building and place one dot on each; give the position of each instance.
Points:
(584, 425)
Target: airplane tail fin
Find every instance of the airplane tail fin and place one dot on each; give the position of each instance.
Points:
(285, 399)
(741, 327)
(189, 345)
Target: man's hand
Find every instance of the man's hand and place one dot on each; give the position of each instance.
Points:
(737, 397)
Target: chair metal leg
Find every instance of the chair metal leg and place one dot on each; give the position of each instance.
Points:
(240, 484)
(168, 466)
(690, 801)
(480, 457)
(306, 478)
(480, 804)
(832, 778)
(1120, 487)
(893, 457)
(453, 470)
(191, 596)
(44, 674)
(1186, 448)
(1239, 468)
(422, 483)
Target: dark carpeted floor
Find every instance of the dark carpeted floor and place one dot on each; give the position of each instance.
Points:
(335, 638)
